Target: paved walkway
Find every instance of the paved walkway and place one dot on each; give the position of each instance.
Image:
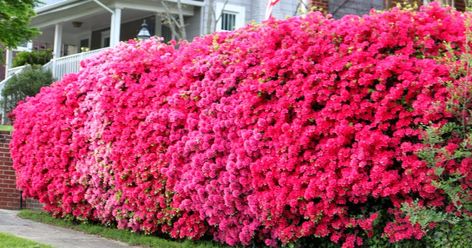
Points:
(55, 236)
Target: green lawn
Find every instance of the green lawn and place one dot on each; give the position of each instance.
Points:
(113, 233)
(10, 241)
(6, 128)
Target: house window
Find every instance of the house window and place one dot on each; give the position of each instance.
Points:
(228, 21)
(84, 46)
(232, 16)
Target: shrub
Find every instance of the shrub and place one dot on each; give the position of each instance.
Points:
(27, 83)
(450, 144)
(39, 57)
(274, 133)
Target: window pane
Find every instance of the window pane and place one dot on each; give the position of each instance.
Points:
(228, 21)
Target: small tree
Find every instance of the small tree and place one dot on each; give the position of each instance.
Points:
(15, 16)
(212, 16)
(32, 58)
(26, 83)
(176, 24)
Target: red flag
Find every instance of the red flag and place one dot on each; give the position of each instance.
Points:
(270, 5)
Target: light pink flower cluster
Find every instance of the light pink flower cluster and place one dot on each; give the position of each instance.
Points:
(271, 133)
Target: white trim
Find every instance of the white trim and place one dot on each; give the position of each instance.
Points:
(151, 6)
(104, 6)
(68, 4)
(8, 61)
(51, 20)
(189, 2)
(57, 5)
(239, 11)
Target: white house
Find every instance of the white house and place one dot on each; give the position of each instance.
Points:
(75, 29)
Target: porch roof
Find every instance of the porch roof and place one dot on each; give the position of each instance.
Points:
(69, 10)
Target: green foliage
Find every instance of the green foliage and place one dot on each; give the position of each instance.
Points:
(451, 227)
(451, 235)
(10, 241)
(24, 84)
(126, 236)
(15, 16)
(32, 58)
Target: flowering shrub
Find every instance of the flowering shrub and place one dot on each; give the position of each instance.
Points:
(297, 128)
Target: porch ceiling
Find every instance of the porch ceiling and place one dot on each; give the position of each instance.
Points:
(87, 11)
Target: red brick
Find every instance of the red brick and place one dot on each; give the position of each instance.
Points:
(9, 195)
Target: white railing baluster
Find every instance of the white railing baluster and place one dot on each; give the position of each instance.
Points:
(71, 63)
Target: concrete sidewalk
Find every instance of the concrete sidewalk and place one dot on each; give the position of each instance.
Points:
(55, 236)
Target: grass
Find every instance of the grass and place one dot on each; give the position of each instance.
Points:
(6, 128)
(10, 241)
(113, 233)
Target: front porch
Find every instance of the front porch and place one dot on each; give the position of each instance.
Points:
(76, 29)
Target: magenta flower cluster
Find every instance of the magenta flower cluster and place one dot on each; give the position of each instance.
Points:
(302, 127)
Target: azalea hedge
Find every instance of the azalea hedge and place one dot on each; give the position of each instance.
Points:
(305, 127)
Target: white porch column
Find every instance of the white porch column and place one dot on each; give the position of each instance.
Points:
(158, 26)
(112, 29)
(115, 27)
(57, 51)
(8, 61)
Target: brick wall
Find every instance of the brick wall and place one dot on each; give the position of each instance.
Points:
(9, 195)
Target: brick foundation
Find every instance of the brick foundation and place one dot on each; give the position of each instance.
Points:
(10, 197)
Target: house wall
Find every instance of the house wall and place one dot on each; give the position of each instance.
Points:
(194, 24)
(283, 9)
(340, 8)
(255, 10)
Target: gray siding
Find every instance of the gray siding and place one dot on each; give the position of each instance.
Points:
(284, 9)
(194, 24)
(255, 10)
(353, 7)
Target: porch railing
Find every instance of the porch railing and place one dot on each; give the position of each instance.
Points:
(59, 67)
(15, 70)
(69, 64)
